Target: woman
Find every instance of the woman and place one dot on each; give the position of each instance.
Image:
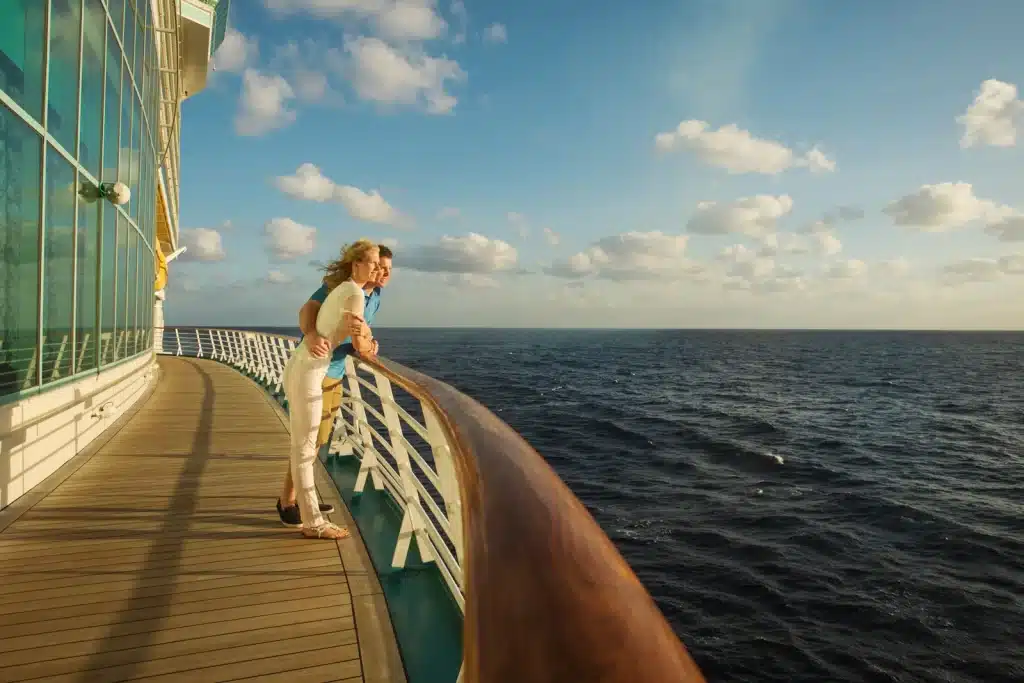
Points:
(304, 374)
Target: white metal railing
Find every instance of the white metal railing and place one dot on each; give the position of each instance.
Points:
(56, 360)
(399, 452)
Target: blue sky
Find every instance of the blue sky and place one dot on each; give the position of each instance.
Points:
(527, 116)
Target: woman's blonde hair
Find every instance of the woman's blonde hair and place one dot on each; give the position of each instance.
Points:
(341, 270)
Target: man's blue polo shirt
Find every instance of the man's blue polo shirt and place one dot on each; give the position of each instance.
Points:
(337, 367)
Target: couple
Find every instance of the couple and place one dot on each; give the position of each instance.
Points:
(334, 322)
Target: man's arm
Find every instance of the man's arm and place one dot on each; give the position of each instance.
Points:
(318, 346)
(307, 317)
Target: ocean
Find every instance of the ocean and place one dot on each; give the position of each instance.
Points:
(803, 506)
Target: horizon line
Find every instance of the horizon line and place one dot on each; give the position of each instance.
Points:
(643, 329)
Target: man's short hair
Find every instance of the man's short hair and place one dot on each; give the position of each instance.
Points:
(385, 251)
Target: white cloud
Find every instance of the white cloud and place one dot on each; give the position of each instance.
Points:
(309, 184)
(264, 104)
(971, 270)
(276, 277)
(474, 280)
(288, 239)
(472, 253)
(202, 244)
(235, 53)
(737, 151)
(389, 75)
(993, 116)
(783, 243)
(389, 242)
(551, 237)
(826, 244)
(944, 206)
(399, 20)
(845, 270)
(306, 66)
(894, 267)
(1012, 264)
(519, 222)
(631, 256)
(754, 216)
(496, 33)
(1008, 229)
(368, 206)
(982, 269)
(458, 10)
(744, 263)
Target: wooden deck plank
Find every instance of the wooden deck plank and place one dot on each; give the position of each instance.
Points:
(161, 557)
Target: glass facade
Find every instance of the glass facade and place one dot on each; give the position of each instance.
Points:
(78, 107)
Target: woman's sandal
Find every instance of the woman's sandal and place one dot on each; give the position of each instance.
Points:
(327, 530)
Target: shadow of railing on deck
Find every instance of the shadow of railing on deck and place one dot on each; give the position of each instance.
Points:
(547, 597)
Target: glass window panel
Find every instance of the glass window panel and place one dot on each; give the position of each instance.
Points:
(62, 107)
(124, 163)
(116, 8)
(136, 161)
(58, 266)
(131, 290)
(108, 283)
(112, 110)
(148, 300)
(20, 150)
(22, 46)
(91, 127)
(121, 302)
(140, 53)
(128, 36)
(86, 329)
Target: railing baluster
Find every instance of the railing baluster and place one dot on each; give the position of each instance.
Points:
(412, 519)
(369, 464)
(449, 485)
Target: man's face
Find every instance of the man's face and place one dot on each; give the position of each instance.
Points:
(384, 271)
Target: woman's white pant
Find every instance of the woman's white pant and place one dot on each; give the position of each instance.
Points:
(303, 388)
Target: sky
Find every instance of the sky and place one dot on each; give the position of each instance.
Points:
(568, 163)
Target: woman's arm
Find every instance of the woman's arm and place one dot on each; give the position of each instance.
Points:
(364, 343)
(353, 325)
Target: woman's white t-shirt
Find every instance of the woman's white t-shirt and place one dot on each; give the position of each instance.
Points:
(345, 298)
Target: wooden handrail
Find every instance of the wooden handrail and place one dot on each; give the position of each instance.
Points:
(549, 599)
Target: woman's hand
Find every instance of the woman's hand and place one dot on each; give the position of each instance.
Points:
(374, 348)
(356, 326)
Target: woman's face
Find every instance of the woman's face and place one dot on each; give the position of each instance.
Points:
(365, 270)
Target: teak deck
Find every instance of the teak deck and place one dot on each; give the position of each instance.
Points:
(159, 556)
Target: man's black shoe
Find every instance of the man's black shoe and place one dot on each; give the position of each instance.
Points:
(290, 515)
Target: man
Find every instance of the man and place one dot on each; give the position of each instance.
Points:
(332, 386)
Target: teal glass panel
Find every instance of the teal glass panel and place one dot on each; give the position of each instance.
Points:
(132, 291)
(124, 156)
(111, 110)
(62, 103)
(136, 160)
(108, 284)
(128, 35)
(58, 266)
(116, 9)
(123, 283)
(91, 115)
(86, 284)
(20, 152)
(22, 47)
